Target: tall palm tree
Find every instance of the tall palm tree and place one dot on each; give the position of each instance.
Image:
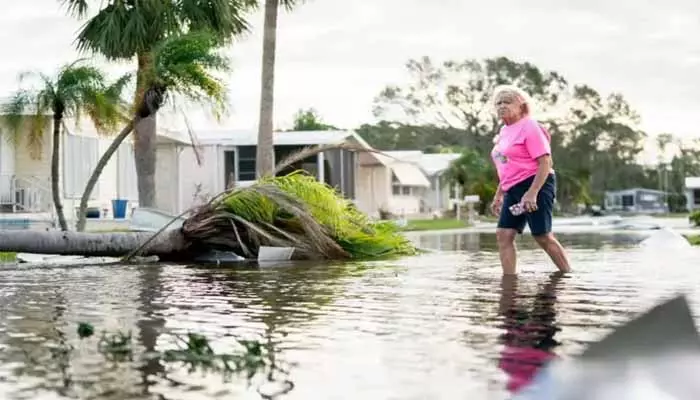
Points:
(184, 64)
(129, 29)
(76, 89)
(265, 154)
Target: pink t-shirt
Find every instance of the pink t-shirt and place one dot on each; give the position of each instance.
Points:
(517, 148)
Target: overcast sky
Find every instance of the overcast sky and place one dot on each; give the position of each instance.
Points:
(336, 56)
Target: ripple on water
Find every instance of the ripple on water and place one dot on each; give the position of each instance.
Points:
(432, 326)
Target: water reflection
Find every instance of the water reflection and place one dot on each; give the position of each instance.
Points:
(150, 324)
(480, 241)
(437, 326)
(530, 326)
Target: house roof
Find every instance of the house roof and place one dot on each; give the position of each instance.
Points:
(437, 163)
(409, 174)
(692, 182)
(430, 164)
(85, 127)
(638, 189)
(248, 137)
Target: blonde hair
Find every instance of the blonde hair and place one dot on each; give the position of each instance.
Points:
(513, 90)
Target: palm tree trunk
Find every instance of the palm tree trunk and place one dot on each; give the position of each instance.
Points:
(113, 244)
(145, 139)
(265, 155)
(90, 185)
(145, 159)
(55, 188)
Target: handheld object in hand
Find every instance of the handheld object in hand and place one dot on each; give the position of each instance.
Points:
(516, 209)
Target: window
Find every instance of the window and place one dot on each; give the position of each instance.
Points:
(649, 197)
(696, 197)
(246, 163)
(627, 200)
(453, 192)
(246, 152)
(401, 190)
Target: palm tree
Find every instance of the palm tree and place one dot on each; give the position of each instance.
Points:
(76, 89)
(128, 29)
(265, 153)
(184, 65)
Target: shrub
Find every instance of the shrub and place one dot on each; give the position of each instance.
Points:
(695, 218)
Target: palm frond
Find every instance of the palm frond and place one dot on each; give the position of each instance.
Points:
(14, 112)
(76, 86)
(105, 105)
(290, 4)
(120, 30)
(38, 124)
(185, 65)
(296, 211)
(193, 138)
(224, 18)
(78, 8)
(76, 89)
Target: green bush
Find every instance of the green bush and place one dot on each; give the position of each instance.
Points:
(695, 218)
(677, 203)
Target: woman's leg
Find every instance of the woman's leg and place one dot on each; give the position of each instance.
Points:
(554, 250)
(506, 249)
(509, 226)
(540, 222)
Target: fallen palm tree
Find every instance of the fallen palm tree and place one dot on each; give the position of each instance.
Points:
(294, 210)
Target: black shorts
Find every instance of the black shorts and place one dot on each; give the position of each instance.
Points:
(539, 221)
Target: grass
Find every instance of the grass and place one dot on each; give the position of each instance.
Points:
(693, 239)
(672, 215)
(434, 224)
(8, 257)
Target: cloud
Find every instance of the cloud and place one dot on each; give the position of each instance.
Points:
(336, 58)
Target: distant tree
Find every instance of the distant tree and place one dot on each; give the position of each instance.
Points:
(457, 95)
(310, 120)
(596, 140)
(476, 175)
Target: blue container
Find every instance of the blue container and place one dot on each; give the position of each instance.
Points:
(119, 208)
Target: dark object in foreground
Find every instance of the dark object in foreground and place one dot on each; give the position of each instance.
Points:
(85, 330)
(656, 355)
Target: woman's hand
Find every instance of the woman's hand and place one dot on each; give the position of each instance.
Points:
(529, 201)
(496, 205)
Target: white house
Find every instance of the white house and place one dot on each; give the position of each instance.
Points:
(25, 176)
(390, 184)
(692, 192)
(637, 200)
(374, 181)
(228, 157)
(433, 166)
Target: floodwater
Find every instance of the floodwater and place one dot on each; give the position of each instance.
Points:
(428, 327)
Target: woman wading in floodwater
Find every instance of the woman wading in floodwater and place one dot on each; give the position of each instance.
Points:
(523, 159)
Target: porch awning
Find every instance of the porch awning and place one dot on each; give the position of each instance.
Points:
(409, 175)
(692, 182)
